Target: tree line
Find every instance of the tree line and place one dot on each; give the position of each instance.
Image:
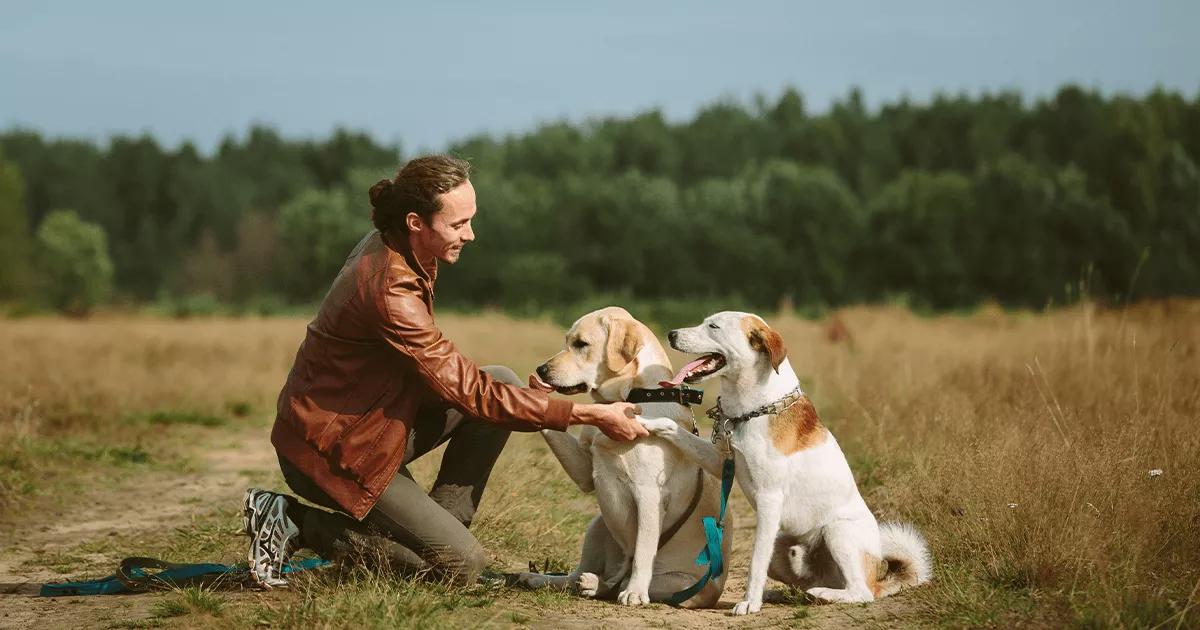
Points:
(941, 204)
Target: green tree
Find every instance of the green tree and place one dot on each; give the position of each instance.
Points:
(1173, 243)
(714, 255)
(1042, 231)
(644, 143)
(14, 234)
(76, 270)
(923, 239)
(317, 232)
(529, 281)
(809, 224)
(721, 141)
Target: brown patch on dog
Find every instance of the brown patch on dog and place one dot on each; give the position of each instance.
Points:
(871, 571)
(797, 427)
(764, 339)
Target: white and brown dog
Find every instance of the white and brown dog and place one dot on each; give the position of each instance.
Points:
(814, 530)
(643, 545)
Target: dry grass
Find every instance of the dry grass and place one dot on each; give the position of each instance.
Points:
(1021, 444)
(103, 391)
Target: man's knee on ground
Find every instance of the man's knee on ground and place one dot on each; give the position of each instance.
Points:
(504, 374)
(461, 566)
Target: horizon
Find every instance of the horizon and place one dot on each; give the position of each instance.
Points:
(509, 69)
(873, 108)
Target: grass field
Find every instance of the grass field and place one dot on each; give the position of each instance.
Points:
(1022, 444)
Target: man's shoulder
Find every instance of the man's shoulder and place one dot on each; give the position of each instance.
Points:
(373, 259)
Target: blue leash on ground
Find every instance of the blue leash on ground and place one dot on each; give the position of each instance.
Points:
(133, 576)
(714, 535)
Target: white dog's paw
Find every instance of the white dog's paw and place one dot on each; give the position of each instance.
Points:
(662, 427)
(633, 598)
(587, 584)
(746, 607)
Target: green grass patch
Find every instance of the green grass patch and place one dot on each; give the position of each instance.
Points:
(239, 408)
(1140, 609)
(49, 451)
(190, 601)
(362, 598)
(59, 561)
(184, 416)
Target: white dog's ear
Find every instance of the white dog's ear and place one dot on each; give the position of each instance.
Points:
(764, 339)
(624, 343)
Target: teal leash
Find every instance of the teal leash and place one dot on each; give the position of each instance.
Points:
(133, 576)
(714, 535)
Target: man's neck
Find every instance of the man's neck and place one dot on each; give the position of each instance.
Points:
(422, 257)
(406, 244)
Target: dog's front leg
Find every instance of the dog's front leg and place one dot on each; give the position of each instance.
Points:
(770, 510)
(645, 547)
(694, 447)
(575, 459)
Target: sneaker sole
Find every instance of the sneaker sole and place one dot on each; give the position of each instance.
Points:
(248, 511)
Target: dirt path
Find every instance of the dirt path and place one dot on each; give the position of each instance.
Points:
(160, 501)
(173, 500)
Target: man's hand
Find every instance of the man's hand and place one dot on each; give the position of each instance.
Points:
(616, 420)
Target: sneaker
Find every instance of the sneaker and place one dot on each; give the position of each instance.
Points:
(273, 536)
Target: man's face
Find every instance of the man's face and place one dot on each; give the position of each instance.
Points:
(448, 230)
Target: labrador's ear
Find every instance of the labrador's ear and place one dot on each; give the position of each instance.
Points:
(624, 343)
(764, 339)
(620, 359)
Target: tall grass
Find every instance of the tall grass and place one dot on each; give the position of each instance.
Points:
(1021, 444)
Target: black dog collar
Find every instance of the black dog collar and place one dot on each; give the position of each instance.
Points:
(679, 395)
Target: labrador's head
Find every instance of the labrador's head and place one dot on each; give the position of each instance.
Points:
(601, 356)
(729, 343)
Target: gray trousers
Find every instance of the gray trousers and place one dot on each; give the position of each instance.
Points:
(408, 529)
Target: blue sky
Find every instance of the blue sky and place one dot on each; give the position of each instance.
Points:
(424, 75)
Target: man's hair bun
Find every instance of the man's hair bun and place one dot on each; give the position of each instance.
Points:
(381, 196)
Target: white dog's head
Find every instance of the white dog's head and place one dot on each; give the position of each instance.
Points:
(604, 352)
(730, 343)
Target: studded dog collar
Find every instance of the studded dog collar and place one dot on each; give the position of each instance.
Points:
(723, 424)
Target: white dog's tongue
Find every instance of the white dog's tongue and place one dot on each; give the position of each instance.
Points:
(677, 380)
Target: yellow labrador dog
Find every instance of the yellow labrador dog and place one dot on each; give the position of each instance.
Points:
(643, 546)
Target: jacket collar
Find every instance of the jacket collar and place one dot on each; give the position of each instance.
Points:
(401, 246)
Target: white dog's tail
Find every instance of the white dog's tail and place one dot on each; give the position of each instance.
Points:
(907, 556)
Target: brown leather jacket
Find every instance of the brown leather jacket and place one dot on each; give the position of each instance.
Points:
(370, 357)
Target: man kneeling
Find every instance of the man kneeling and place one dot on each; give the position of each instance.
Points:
(376, 385)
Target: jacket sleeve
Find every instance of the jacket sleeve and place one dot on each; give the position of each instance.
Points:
(409, 328)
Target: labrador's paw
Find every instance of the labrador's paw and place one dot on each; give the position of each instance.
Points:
(839, 595)
(587, 584)
(633, 598)
(746, 607)
(662, 427)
